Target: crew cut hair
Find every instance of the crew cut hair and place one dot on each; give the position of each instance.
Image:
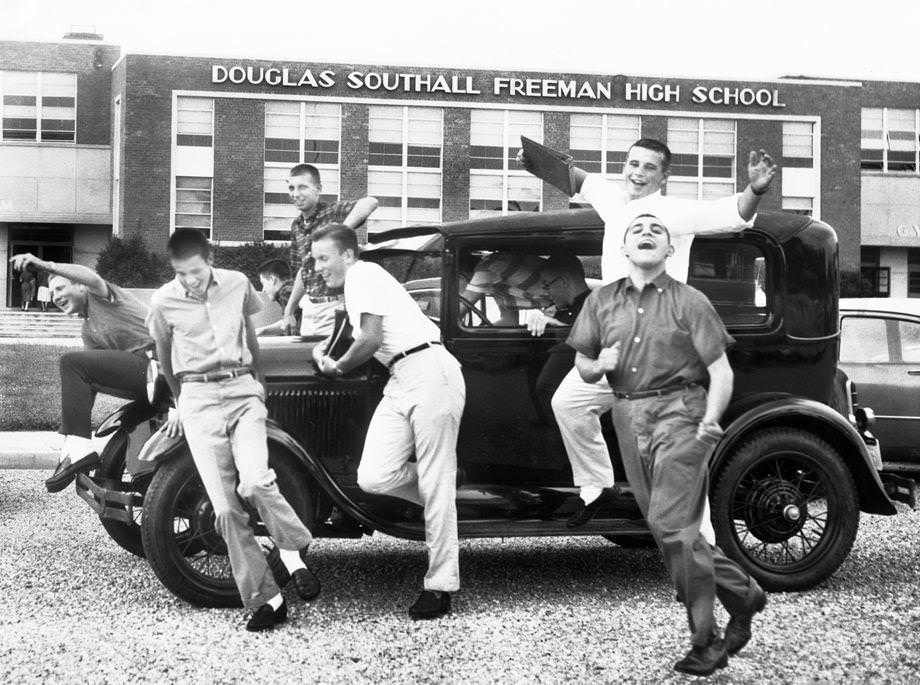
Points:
(647, 216)
(275, 267)
(306, 170)
(187, 242)
(343, 236)
(656, 146)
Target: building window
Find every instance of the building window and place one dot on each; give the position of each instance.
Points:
(298, 133)
(798, 205)
(497, 184)
(404, 165)
(913, 272)
(193, 203)
(195, 122)
(890, 139)
(38, 106)
(599, 143)
(798, 144)
(702, 158)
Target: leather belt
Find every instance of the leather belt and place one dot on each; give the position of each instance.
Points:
(212, 376)
(641, 394)
(411, 350)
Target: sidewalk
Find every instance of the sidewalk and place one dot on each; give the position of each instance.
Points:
(29, 449)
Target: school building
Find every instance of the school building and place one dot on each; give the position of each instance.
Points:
(96, 143)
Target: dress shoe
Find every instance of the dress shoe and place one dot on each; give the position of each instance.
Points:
(703, 659)
(266, 618)
(738, 630)
(585, 512)
(305, 583)
(430, 604)
(66, 471)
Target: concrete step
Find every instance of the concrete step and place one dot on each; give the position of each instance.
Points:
(15, 323)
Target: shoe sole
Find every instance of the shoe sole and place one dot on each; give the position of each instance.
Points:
(428, 617)
(721, 663)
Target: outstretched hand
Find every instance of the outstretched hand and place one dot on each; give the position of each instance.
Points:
(761, 170)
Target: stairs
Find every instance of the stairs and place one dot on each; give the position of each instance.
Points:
(15, 323)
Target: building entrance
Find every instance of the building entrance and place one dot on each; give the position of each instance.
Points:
(53, 243)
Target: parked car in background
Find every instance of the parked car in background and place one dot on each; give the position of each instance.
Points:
(789, 478)
(880, 354)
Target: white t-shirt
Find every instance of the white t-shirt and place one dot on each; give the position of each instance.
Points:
(683, 218)
(369, 289)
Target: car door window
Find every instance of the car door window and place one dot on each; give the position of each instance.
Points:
(909, 336)
(734, 278)
(864, 340)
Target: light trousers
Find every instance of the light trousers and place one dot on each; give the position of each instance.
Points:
(420, 414)
(224, 424)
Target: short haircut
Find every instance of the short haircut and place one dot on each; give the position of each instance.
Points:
(649, 216)
(306, 170)
(565, 264)
(187, 242)
(656, 146)
(275, 267)
(343, 236)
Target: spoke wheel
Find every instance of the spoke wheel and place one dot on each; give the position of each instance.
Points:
(183, 546)
(480, 314)
(786, 509)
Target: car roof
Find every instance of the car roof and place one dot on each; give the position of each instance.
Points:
(887, 305)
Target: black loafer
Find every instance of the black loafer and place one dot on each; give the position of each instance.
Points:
(305, 583)
(703, 660)
(65, 472)
(266, 618)
(430, 604)
(738, 630)
(585, 512)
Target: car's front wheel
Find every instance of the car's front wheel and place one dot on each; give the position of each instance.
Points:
(785, 507)
(182, 544)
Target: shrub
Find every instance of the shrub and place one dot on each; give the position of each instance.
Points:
(852, 284)
(128, 263)
(246, 258)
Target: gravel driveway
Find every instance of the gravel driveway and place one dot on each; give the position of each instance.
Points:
(75, 608)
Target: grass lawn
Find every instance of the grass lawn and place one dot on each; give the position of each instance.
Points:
(30, 388)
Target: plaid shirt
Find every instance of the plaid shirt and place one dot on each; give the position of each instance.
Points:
(301, 240)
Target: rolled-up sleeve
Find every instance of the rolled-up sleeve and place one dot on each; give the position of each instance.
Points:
(585, 336)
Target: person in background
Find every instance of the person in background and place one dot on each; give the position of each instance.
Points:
(320, 301)
(209, 355)
(277, 285)
(27, 287)
(113, 361)
(44, 292)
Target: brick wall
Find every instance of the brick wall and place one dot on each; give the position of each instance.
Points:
(239, 153)
(556, 136)
(456, 180)
(757, 135)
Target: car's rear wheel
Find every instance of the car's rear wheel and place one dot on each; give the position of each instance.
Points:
(181, 541)
(785, 507)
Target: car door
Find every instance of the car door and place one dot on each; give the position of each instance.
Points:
(881, 354)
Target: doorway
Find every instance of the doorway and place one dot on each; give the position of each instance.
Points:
(51, 244)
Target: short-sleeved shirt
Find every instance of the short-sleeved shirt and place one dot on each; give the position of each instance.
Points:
(369, 289)
(669, 333)
(115, 321)
(682, 217)
(302, 240)
(512, 278)
(206, 333)
(284, 293)
(567, 316)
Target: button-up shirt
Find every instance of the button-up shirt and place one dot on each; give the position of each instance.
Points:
(301, 241)
(115, 321)
(682, 217)
(206, 333)
(669, 333)
(512, 278)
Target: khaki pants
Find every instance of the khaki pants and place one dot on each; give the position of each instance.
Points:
(224, 424)
(420, 414)
(666, 466)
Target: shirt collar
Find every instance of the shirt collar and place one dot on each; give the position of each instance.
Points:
(214, 282)
(661, 282)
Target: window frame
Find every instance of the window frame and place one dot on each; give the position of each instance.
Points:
(883, 166)
(39, 106)
(700, 180)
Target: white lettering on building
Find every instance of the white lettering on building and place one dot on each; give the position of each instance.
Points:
(652, 92)
(551, 88)
(272, 76)
(725, 95)
(908, 231)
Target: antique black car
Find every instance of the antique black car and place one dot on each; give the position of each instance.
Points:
(789, 478)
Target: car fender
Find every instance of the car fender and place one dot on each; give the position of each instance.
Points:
(757, 413)
(128, 416)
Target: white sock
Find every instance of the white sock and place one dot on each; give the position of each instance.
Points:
(276, 602)
(589, 493)
(291, 559)
(76, 447)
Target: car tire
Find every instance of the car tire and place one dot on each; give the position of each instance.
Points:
(183, 548)
(786, 508)
(112, 466)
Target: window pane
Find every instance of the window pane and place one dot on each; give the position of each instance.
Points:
(733, 278)
(863, 340)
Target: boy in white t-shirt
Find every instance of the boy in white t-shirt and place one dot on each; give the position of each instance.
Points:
(420, 410)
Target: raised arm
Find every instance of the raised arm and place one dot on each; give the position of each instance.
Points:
(358, 215)
(73, 272)
(761, 170)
